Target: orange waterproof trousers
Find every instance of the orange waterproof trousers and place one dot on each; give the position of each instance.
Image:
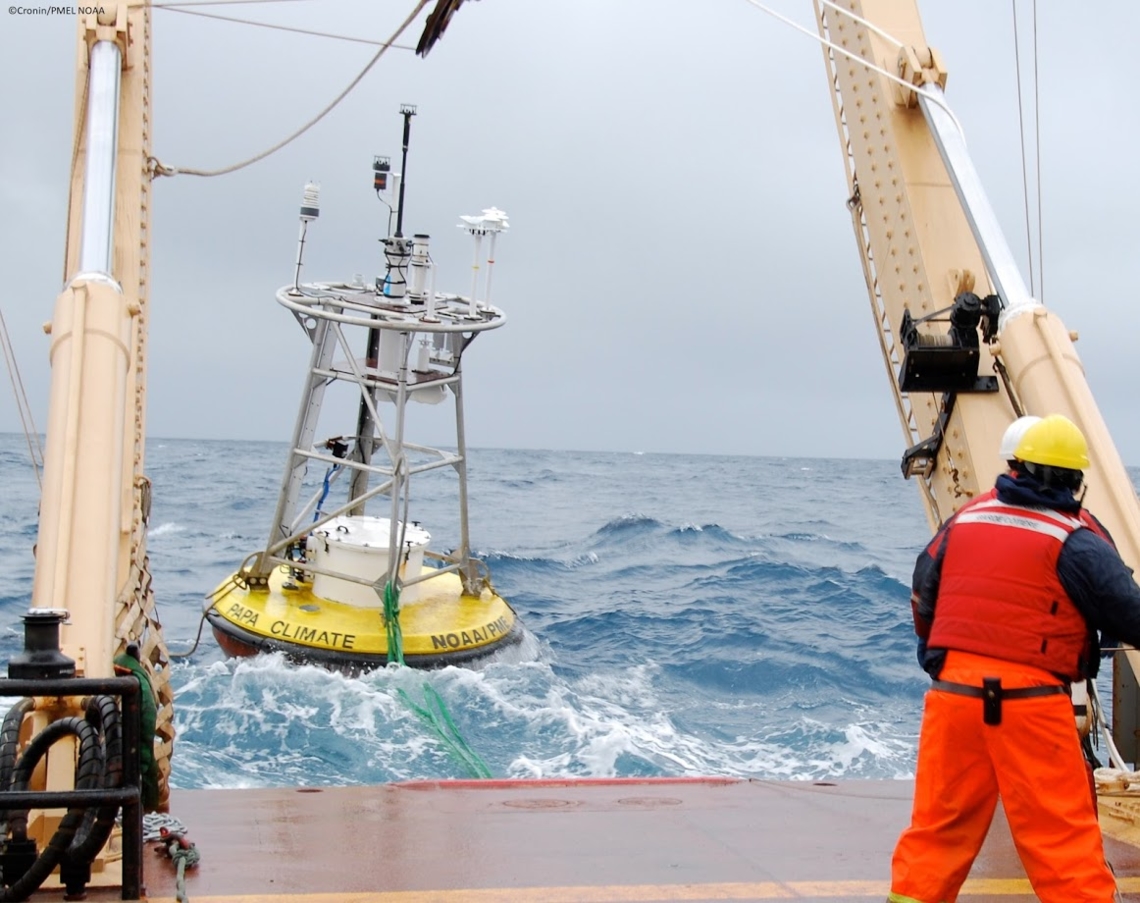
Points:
(1032, 760)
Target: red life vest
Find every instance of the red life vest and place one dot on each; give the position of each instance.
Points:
(999, 593)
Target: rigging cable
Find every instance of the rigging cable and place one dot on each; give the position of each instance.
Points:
(835, 48)
(305, 31)
(161, 169)
(1116, 778)
(31, 436)
(194, 648)
(80, 131)
(176, 3)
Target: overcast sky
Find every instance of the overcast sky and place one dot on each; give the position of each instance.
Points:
(680, 274)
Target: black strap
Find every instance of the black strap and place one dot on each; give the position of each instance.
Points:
(1015, 693)
(992, 694)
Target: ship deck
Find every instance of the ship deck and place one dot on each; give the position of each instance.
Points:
(561, 841)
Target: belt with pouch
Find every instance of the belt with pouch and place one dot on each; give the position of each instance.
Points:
(992, 694)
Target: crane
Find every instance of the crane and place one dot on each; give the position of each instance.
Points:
(92, 592)
(966, 348)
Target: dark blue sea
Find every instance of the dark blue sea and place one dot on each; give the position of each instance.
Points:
(686, 615)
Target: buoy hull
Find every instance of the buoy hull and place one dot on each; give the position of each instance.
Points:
(443, 626)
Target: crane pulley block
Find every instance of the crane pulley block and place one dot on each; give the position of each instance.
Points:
(918, 67)
(948, 361)
(109, 23)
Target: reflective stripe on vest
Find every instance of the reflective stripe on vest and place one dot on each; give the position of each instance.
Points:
(1039, 520)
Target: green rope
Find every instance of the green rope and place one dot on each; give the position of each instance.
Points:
(392, 623)
(440, 723)
(184, 855)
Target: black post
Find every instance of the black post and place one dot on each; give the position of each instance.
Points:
(41, 657)
(365, 425)
(132, 809)
(407, 111)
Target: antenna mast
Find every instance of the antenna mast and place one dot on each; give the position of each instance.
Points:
(407, 110)
(397, 251)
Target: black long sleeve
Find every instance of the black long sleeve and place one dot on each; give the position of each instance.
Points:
(1101, 586)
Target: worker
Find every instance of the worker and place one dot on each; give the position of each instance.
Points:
(1009, 443)
(1007, 598)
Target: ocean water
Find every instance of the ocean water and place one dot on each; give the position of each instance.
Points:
(685, 615)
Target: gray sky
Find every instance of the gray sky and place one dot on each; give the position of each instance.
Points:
(680, 274)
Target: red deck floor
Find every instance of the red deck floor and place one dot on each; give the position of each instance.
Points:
(552, 841)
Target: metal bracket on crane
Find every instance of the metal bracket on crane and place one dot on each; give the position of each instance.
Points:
(918, 67)
(919, 460)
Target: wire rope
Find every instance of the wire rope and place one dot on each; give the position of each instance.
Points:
(1117, 776)
(289, 28)
(197, 639)
(835, 48)
(161, 169)
(177, 3)
(23, 407)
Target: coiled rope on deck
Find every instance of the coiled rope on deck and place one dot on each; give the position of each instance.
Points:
(155, 822)
(184, 855)
(160, 827)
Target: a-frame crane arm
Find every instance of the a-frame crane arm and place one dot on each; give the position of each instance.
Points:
(91, 547)
(927, 235)
(917, 249)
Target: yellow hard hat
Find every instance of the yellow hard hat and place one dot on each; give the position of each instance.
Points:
(1054, 441)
